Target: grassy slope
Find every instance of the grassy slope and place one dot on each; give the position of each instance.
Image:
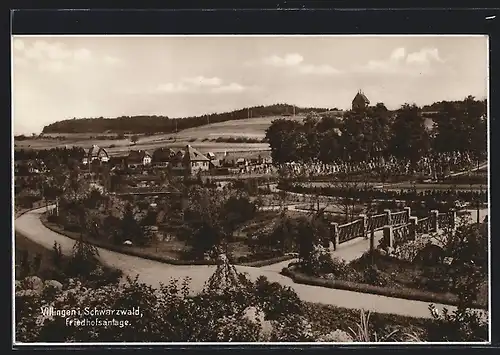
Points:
(250, 128)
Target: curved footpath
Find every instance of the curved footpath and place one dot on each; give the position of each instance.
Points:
(154, 273)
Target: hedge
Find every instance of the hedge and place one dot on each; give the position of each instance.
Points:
(374, 194)
(260, 263)
(405, 293)
(159, 258)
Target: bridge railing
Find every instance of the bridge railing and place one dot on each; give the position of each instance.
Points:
(351, 230)
(401, 234)
(399, 227)
(424, 225)
(377, 222)
(399, 218)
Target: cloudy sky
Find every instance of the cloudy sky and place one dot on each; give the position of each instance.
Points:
(56, 78)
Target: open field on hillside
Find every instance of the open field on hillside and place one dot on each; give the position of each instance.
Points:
(251, 128)
(248, 128)
(117, 147)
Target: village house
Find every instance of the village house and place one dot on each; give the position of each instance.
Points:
(194, 161)
(138, 158)
(177, 163)
(214, 162)
(95, 153)
(162, 156)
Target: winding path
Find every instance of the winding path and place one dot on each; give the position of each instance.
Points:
(154, 273)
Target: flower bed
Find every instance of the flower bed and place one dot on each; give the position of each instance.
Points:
(405, 293)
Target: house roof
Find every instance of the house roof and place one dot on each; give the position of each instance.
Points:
(194, 155)
(163, 155)
(360, 96)
(136, 156)
(211, 155)
(215, 162)
(95, 150)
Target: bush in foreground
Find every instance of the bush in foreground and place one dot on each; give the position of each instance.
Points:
(229, 308)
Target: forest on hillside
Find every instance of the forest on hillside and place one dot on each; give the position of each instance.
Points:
(164, 124)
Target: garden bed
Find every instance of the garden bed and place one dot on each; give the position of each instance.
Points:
(174, 258)
(405, 293)
(326, 318)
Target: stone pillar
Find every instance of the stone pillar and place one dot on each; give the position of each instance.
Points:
(408, 213)
(453, 219)
(388, 220)
(372, 239)
(335, 235)
(388, 237)
(434, 220)
(364, 221)
(413, 227)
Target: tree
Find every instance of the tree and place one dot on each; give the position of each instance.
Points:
(461, 126)
(84, 258)
(134, 139)
(409, 137)
(287, 140)
(130, 227)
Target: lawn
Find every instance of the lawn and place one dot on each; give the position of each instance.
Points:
(23, 244)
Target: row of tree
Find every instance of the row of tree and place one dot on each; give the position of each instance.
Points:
(374, 132)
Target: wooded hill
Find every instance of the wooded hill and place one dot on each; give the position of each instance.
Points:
(164, 124)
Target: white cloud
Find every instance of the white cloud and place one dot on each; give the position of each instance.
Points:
(295, 62)
(288, 60)
(398, 54)
(202, 81)
(318, 69)
(400, 62)
(56, 57)
(172, 88)
(231, 88)
(199, 84)
(424, 56)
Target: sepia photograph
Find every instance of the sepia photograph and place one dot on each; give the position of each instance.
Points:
(250, 189)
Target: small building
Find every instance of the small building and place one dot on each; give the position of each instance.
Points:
(194, 161)
(138, 158)
(95, 153)
(162, 156)
(360, 101)
(177, 165)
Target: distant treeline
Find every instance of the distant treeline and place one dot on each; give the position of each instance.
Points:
(164, 124)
